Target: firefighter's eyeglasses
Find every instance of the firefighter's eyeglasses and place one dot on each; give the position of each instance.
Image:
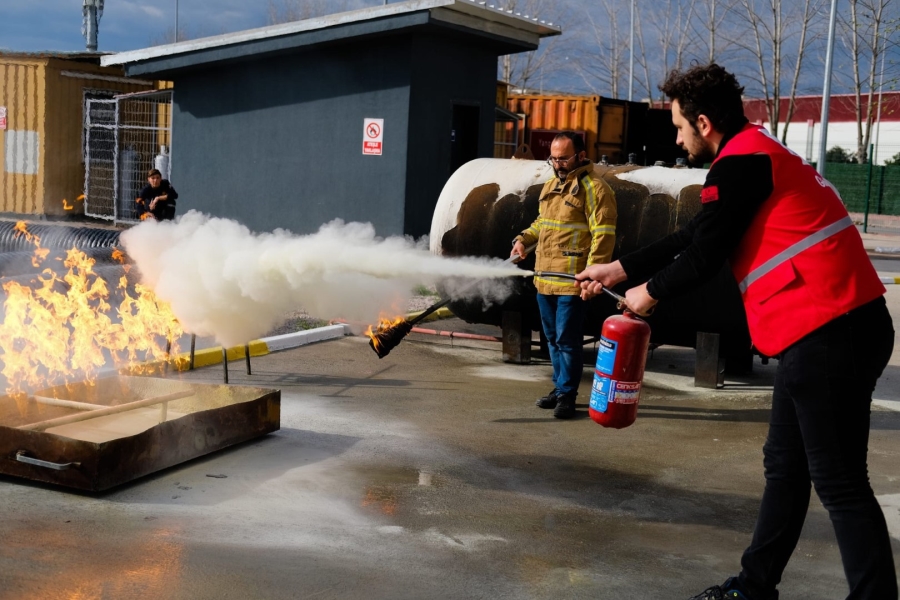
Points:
(553, 161)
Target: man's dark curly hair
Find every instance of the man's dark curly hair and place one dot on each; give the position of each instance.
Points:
(707, 90)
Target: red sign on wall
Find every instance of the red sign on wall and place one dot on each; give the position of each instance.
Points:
(373, 136)
(2, 117)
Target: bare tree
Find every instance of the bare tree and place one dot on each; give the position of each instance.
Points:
(865, 36)
(775, 32)
(601, 61)
(672, 40)
(710, 28)
(520, 70)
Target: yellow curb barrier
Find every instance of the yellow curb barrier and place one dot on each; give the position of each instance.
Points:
(441, 313)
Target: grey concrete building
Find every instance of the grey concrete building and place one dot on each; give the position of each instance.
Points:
(268, 124)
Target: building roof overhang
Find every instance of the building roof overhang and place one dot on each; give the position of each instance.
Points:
(508, 31)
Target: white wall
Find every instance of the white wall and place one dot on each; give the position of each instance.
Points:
(843, 135)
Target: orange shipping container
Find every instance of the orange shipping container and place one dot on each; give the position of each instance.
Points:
(603, 122)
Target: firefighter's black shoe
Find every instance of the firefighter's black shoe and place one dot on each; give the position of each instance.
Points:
(565, 406)
(548, 401)
(730, 590)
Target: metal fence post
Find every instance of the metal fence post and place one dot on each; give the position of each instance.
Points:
(868, 191)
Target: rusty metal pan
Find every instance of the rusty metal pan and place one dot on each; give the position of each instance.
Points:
(97, 441)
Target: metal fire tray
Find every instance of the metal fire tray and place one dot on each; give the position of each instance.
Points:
(95, 437)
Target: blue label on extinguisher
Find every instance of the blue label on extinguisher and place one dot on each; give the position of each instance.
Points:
(600, 393)
(606, 355)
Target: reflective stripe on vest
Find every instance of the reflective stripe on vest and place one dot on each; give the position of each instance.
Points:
(795, 249)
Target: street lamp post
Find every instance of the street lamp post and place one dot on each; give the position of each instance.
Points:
(631, 57)
(826, 89)
(176, 20)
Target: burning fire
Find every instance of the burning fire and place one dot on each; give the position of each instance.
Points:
(67, 206)
(383, 325)
(387, 334)
(63, 327)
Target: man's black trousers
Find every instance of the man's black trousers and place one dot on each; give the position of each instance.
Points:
(819, 433)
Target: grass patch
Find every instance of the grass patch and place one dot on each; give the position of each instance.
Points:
(304, 324)
(426, 290)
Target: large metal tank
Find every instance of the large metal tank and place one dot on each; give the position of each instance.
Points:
(487, 202)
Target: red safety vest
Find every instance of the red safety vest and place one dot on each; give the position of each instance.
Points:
(801, 262)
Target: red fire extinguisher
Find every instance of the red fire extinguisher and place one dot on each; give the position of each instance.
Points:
(621, 358)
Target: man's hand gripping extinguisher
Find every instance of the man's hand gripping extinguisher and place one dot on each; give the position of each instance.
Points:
(621, 358)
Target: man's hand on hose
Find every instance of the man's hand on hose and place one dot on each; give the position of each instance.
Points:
(639, 301)
(518, 249)
(595, 277)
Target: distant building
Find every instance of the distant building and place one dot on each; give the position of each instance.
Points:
(361, 115)
(805, 128)
(43, 98)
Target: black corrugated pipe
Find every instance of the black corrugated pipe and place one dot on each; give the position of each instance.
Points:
(61, 237)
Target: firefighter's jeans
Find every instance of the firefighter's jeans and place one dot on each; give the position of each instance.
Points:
(819, 432)
(563, 320)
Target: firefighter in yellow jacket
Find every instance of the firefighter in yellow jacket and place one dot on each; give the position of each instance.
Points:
(575, 228)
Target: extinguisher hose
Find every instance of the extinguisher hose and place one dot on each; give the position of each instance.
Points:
(618, 297)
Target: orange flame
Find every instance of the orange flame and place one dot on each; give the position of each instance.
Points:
(66, 205)
(146, 215)
(118, 256)
(63, 328)
(383, 324)
(39, 253)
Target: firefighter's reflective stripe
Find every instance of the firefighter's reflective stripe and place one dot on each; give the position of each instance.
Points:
(603, 229)
(563, 225)
(792, 251)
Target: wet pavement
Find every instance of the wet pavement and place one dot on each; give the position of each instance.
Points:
(430, 474)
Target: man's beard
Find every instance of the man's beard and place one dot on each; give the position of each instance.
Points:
(704, 154)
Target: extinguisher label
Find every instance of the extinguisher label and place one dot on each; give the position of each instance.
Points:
(607, 391)
(600, 393)
(627, 392)
(606, 355)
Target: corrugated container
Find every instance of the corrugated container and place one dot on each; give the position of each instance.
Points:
(42, 152)
(603, 122)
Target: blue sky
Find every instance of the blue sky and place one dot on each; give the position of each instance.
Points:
(32, 25)
(35, 25)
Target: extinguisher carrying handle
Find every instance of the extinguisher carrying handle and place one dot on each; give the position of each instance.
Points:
(620, 299)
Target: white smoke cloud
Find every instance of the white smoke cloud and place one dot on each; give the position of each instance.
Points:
(225, 281)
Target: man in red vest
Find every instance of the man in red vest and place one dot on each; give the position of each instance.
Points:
(813, 300)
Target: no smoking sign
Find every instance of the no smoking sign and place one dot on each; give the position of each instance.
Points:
(373, 135)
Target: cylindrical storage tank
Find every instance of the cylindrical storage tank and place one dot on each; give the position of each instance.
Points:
(487, 202)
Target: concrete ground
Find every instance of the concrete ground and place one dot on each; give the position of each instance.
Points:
(430, 474)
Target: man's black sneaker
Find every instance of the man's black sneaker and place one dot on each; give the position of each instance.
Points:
(548, 401)
(565, 406)
(730, 590)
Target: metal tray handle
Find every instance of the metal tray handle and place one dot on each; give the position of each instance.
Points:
(20, 456)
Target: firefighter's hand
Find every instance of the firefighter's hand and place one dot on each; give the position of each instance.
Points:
(639, 300)
(593, 279)
(518, 249)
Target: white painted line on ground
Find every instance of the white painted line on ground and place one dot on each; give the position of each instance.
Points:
(888, 404)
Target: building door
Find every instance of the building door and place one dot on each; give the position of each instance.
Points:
(464, 135)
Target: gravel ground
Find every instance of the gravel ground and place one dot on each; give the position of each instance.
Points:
(300, 320)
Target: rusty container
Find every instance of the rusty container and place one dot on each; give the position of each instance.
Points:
(612, 128)
(95, 437)
(42, 102)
